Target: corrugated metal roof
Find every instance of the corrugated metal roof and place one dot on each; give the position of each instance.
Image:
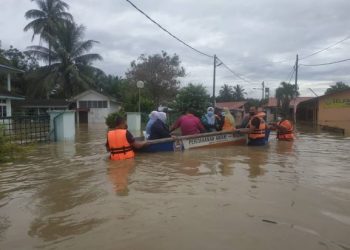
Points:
(230, 105)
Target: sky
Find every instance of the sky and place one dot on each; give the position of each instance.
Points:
(257, 39)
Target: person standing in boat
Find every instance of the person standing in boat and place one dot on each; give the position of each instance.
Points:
(120, 142)
(189, 124)
(284, 128)
(248, 117)
(209, 120)
(159, 128)
(229, 121)
(256, 129)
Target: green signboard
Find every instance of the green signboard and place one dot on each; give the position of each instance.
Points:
(336, 103)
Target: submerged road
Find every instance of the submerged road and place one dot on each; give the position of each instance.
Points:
(282, 196)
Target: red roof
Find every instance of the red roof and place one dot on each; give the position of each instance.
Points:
(272, 103)
(230, 105)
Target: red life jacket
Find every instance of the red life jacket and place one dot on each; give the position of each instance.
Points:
(119, 146)
(285, 135)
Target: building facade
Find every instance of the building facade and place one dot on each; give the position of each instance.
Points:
(330, 111)
(94, 107)
(6, 95)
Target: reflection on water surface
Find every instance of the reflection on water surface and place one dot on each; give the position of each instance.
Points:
(282, 196)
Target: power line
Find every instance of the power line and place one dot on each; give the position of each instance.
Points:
(160, 26)
(319, 51)
(234, 73)
(322, 64)
(292, 73)
(312, 54)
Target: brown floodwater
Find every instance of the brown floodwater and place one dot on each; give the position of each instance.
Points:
(287, 195)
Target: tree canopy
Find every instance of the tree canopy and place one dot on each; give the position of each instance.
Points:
(339, 86)
(71, 68)
(225, 94)
(160, 73)
(238, 93)
(192, 98)
(284, 94)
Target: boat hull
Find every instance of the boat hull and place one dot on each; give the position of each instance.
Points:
(180, 143)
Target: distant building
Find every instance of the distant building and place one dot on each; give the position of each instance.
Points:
(6, 95)
(94, 107)
(236, 109)
(271, 107)
(330, 111)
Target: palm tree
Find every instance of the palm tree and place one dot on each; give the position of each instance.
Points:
(71, 69)
(238, 93)
(284, 94)
(225, 93)
(50, 14)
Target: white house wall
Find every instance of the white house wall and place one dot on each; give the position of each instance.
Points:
(98, 115)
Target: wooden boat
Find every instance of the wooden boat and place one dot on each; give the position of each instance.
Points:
(180, 143)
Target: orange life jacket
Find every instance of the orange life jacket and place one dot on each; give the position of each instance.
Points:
(258, 133)
(119, 146)
(285, 135)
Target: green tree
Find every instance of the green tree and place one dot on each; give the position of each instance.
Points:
(50, 14)
(339, 86)
(71, 70)
(192, 97)
(238, 93)
(20, 60)
(225, 94)
(160, 73)
(284, 94)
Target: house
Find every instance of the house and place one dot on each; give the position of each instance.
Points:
(6, 95)
(93, 107)
(40, 107)
(236, 108)
(331, 111)
(271, 107)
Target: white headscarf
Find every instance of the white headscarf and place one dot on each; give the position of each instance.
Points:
(161, 116)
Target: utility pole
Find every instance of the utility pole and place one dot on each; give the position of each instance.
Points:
(263, 90)
(295, 89)
(214, 75)
(296, 75)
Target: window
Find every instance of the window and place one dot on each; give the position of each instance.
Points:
(93, 104)
(83, 104)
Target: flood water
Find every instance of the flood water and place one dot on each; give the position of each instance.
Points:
(282, 196)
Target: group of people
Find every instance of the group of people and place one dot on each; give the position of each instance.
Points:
(189, 124)
(120, 142)
(258, 131)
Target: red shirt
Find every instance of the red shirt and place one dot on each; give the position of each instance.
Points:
(189, 124)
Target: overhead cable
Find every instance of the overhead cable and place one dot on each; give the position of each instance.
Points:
(319, 51)
(161, 27)
(322, 64)
(314, 53)
(292, 74)
(234, 73)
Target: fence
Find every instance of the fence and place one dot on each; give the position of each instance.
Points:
(26, 129)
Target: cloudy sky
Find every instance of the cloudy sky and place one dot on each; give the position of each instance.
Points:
(252, 37)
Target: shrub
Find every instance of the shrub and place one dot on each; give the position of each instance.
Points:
(7, 149)
(110, 119)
